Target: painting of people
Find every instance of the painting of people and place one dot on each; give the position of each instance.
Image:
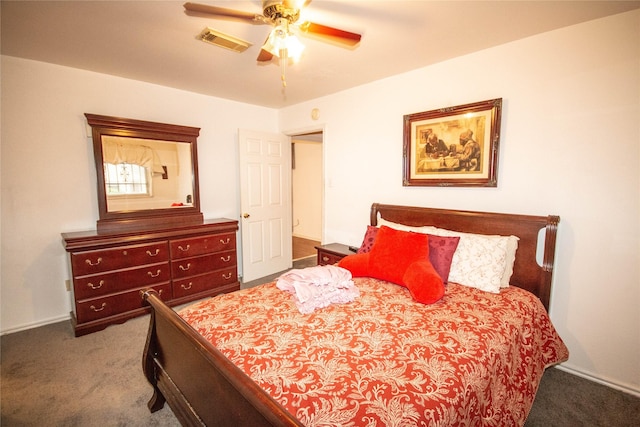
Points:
(452, 146)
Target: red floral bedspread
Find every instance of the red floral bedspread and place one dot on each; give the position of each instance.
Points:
(473, 358)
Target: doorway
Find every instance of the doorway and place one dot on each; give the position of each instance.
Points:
(306, 193)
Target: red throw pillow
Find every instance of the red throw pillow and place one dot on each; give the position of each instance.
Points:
(357, 264)
(441, 251)
(369, 238)
(400, 257)
(394, 251)
(424, 282)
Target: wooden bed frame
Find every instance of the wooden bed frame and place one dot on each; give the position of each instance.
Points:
(203, 387)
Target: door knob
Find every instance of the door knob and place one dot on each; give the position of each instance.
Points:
(245, 215)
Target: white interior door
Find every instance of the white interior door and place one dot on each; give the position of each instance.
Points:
(265, 203)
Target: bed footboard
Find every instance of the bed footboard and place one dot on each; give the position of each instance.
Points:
(200, 384)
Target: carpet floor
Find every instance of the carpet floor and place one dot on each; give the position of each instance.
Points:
(51, 378)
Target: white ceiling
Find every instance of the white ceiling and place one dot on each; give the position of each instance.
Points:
(155, 41)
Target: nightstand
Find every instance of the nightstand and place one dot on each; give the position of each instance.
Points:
(332, 253)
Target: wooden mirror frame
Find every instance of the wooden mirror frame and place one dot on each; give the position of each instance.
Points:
(143, 218)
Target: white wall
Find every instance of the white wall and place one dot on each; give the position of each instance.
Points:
(569, 146)
(48, 173)
(306, 179)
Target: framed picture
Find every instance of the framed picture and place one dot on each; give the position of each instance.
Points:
(454, 146)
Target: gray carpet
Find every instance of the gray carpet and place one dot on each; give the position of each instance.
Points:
(564, 399)
(51, 378)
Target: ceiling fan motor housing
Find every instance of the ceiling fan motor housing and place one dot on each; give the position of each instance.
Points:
(276, 10)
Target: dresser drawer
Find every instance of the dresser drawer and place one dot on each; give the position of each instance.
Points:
(204, 282)
(332, 253)
(98, 308)
(121, 280)
(325, 258)
(203, 264)
(185, 248)
(92, 262)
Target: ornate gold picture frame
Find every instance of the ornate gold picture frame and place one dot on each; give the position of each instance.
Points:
(453, 146)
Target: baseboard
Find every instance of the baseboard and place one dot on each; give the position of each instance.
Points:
(300, 236)
(611, 384)
(35, 324)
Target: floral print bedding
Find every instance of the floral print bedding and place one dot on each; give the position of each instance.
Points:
(473, 358)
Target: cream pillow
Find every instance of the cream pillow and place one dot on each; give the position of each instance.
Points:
(397, 226)
(480, 261)
(512, 247)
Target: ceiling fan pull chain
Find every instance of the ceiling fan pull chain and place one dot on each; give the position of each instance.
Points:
(284, 57)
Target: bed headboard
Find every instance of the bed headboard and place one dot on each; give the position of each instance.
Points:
(527, 273)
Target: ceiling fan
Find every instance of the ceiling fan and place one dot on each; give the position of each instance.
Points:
(283, 16)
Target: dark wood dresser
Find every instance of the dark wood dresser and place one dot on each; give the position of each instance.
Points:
(183, 264)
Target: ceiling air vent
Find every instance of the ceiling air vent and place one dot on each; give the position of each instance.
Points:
(226, 41)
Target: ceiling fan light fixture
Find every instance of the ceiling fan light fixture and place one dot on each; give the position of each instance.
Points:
(285, 45)
(282, 40)
(294, 47)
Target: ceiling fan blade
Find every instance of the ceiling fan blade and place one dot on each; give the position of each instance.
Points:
(205, 9)
(341, 36)
(264, 56)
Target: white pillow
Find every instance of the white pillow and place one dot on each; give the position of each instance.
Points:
(402, 227)
(480, 261)
(512, 247)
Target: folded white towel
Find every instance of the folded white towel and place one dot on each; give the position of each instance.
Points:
(318, 287)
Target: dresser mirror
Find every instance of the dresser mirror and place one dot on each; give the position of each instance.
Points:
(147, 173)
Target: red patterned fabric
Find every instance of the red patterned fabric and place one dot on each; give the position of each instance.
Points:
(473, 358)
(441, 250)
(369, 238)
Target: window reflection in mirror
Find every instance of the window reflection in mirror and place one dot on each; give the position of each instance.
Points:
(146, 174)
(126, 179)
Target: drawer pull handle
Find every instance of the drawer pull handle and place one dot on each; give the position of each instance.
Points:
(183, 268)
(325, 258)
(150, 273)
(93, 307)
(142, 292)
(226, 259)
(88, 261)
(184, 249)
(227, 276)
(98, 286)
(187, 287)
(151, 254)
(225, 242)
